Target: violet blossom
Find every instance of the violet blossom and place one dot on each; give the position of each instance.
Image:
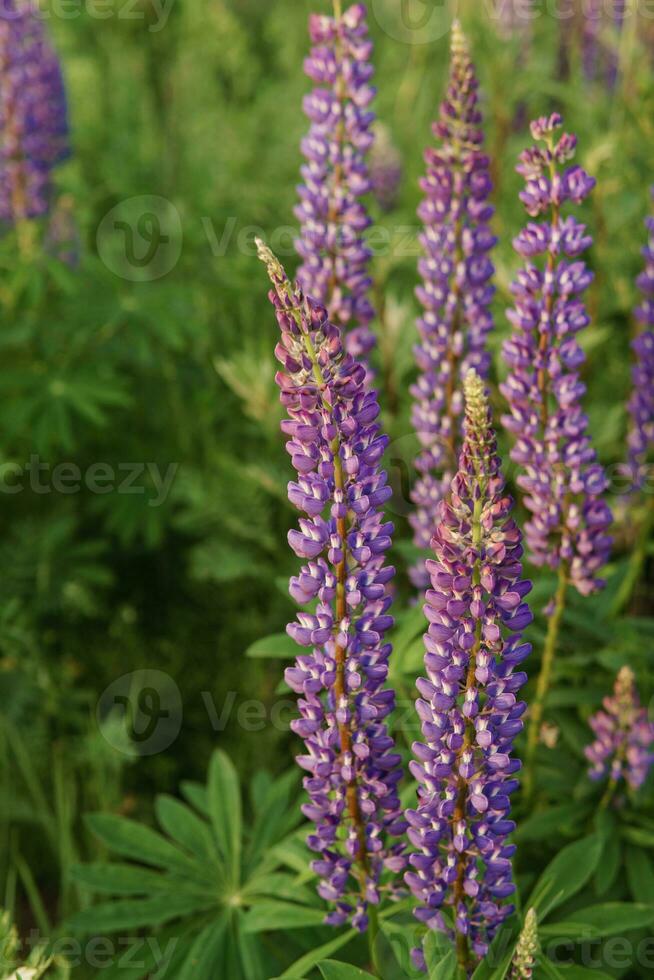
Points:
(33, 118)
(335, 257)
(468, 708)
(456, 292)
(624, 736)
(336, 447)
(640, 440)
(562, 479)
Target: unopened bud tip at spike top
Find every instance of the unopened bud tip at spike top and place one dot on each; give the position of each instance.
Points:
(456, 289)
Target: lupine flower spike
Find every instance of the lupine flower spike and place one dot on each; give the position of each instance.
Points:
(524, 958)
(641, 404)
(335, 446)
(456, 290)
(33, 120)
(624, 737)
(335, 257)
(561, 477)
(468, 708)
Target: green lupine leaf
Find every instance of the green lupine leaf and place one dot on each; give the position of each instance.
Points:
(279, 885)
(268, 916)
(185, 827)
(306, 963)
(599, 921)
(565, 875)
(556, 819)
(128, 879)
(333, 970)
(440, 956)
(570, 972)
(640, 875)
(137, 913)
(131, 839)
(206, 955)
(224, 797)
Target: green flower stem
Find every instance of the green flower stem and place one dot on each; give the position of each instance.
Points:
(544, 679)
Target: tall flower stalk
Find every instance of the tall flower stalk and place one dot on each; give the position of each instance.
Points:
(456, 290)
(333, 216)
(33, 115)
(469, 710)
(640, 438)
(561, 478)
(622, 749)
(335, 445)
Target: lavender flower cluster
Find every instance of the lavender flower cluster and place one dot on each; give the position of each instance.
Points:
(640, 440)
(33, 116)
(456, 290)
(335, 445)
(562, 479)
(469, 709)
(624, 736)
(333, 218)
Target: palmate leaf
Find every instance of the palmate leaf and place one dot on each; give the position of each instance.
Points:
(192, 875)
(440, 956)
(279, 646)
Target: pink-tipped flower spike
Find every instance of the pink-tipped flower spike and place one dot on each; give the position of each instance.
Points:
(469, 707)
(456, 291)
(624, 734)
(640, 440)
(335, 446)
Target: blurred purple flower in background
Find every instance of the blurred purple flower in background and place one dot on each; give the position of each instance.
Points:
(386, 168)
(456, 290)
(625, 736)
(469, 710)
(33, 116)
(640, 440)
(333, 218)
(335, 446)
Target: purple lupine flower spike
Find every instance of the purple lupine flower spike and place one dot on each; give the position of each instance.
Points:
(336, 447)
(640, 440)
(562, 479)
(456, 290)
(469, 709)
(33, 119)
(624, 736)
(335, 257)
